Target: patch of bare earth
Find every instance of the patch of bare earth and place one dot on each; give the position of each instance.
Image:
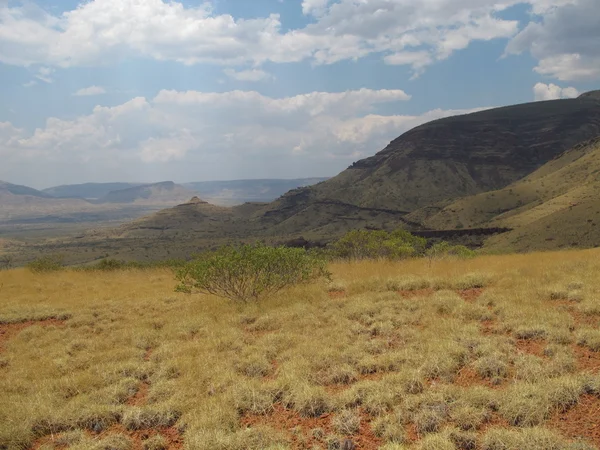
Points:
(489, 327)
(587, 360)
(470, 295)
(9, 330)
(581, 421)
(337, 294)
(416, 293)
(532, 347)
(468, 377)
(301, 433)
(171, 435)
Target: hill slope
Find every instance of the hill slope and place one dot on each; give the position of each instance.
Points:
(235, 192)
(164, 192)
(556, 206)
(17, 189)
(87, 190)
(444, 159)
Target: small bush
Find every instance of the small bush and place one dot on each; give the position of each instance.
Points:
(443, 249)
(50, 263)
(364, 244)
(251, 271)
(347, 421)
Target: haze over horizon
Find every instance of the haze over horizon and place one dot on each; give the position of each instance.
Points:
(125, 90)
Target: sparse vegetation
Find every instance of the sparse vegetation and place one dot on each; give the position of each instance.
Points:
(50, 263)
(465, 354)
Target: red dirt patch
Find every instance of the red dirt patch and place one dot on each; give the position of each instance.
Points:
(470, 295)
(337, 294)
(489, 327)
(141, 395)
(172, 436)
(533, 347)
(416, 293)
(587, 360)
(468, 377)
(9, 330)
(287, 420)
(581, 421)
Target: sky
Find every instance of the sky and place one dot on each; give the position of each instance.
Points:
(152, 90)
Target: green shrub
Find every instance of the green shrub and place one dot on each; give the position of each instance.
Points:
(50, 263)
(363, 244)
(443, 249)
(111, 264)
(250, 271)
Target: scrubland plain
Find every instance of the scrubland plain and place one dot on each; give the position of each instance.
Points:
(493, 353)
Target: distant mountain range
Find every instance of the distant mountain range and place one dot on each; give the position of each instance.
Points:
(232, 192)
(114, 201)
(421, 178)
(520, 177)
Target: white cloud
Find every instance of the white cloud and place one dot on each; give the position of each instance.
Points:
(248, 75)
(551, 91)
(104, 31)
(44, 74)
(92, 90)
(200, 135)
(565, 42)
(314, 6)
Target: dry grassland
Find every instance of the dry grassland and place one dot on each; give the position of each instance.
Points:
(495, 353)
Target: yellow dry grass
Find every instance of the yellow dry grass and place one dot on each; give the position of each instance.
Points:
(129, 363)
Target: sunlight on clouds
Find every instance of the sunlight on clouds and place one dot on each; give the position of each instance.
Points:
(551, 91)
(223, 127)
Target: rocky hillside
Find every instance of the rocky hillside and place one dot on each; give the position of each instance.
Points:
(444, 159)
(436, 162)
(556, 206)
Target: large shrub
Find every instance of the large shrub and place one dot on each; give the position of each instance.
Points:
(49, 263)
(250, 271)
(443, 249)
(363, 244)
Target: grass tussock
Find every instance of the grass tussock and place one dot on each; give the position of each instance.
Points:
(404, 348)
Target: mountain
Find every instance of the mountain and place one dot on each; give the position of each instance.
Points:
(22, 202)
(436, 162)
(591, 94)
(86, 190)
(556, 206)
(234, 192)
(163, 192)
(16, 189)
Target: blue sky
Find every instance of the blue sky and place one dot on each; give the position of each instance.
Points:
(146, 90)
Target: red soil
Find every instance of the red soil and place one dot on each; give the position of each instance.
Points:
(148, 354)
(581, 421)
(468, 377)
(416, 293)
(489, 327)
(141, 396)
(9, 330)
(337, 294)
(172, 436)
(533, 347)
(287, 420)
(587, 360)
(470, 295)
